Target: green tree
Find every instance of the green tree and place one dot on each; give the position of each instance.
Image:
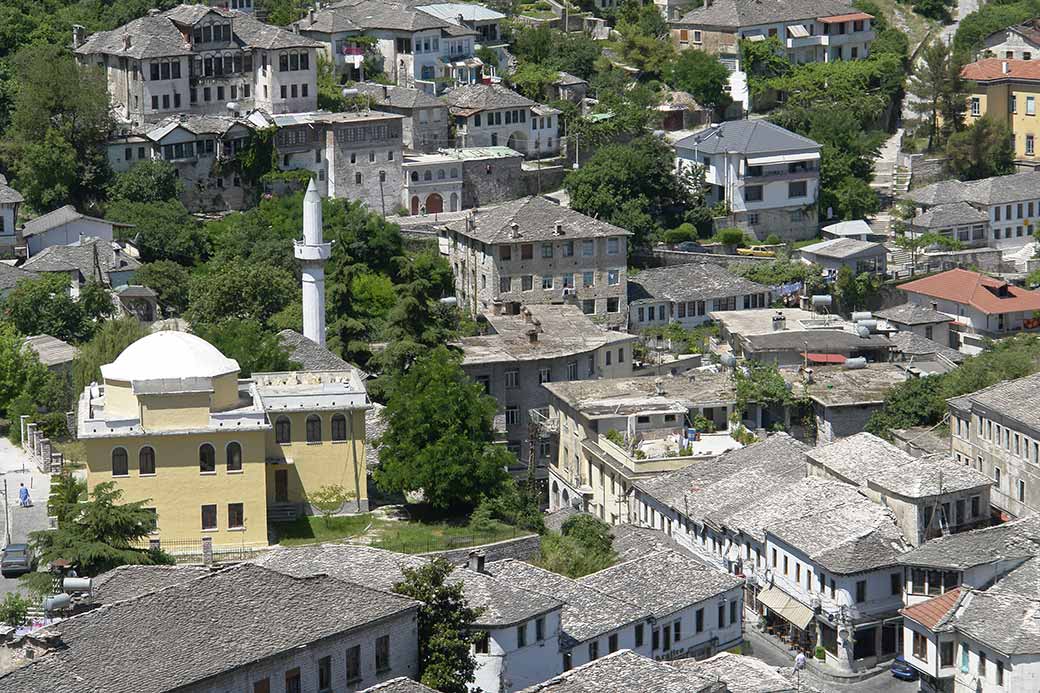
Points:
(939, 90)
(583, 546)
(14, 610)
(102, 534)
(533, 80)
(852, 198)
(329, 500)
(27, 387)
(981, 150)
(163, 230)
(169, 280)
(939, 10)
(44, 306)
(856, 291)
(919, 242)
(227, 290)
(66, 494)
(147, 181)
(111, 338)
(702, 75)
(245, 340)
(764, 60)
(60, 123)
(760, 383)
(445, 621)
(439, 435)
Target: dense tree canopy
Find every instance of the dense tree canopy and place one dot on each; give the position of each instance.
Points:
(981, 150)
(702, 75)
(45, 306)
(246, 341)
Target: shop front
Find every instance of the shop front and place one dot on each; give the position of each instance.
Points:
(787, 618)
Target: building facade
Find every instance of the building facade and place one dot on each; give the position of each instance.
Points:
(426, 123)
(363, 152)
(10, 200)
(767, 176)
(1007, 92)
(491, 115)
(686, 294)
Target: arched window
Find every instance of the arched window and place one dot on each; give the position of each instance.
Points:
(313, 429)
(440, 174)
(339, 427)
(282, 430)
(207, 458)
(415, 176)
(146, 460)
(119, 463)
(234, 457)
(428, 175)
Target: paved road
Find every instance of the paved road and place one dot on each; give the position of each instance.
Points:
(16, 469)
(882, 683)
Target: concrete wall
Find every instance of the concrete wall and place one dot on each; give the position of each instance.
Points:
(67, 234)
(370, 149)
(840, 422)
(508, 667)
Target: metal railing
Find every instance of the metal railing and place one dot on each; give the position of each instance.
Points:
(191, 551)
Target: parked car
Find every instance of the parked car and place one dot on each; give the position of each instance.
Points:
(901, 669)
(17, 559)
(690, 247)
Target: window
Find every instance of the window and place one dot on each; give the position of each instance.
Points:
(234, 457)
(753, 193)
(975, 503)
(996, 476)
(588, 248)
(262, 686)
(568, 249)
(588, 279)
(613, 277)
(774, 558)
(982, 664)
(512, 416)
(235, 516)
(639, 635)
(209, 517)
(146, 461)
(292, 681)
(539, 629)
(613, 246)
(798, 188)
(547, 250)
(512, 379)
(526, 283)
(526, 251)
(964, 658)
(785, 565)
(676, 631)
(547, 282)
(325, 674)
(505, 252)
(1030, 105)
(120, 465)
(282, 430)
(733, 610)
(353, 663)
(313, 428)
(896, 583)
(861, 591)
(722, 615)
(207, 459)
(975, 106)
(572, 370)
(339, 427)
(521, 635)
(920, 647)
(505, 284)
(593, 650)
(382, 653)
(798, 572)
(482, 644)
(946, 654)
(613, 305)
(1021, 491)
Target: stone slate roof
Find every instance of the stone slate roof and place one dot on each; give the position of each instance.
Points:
(662, 583)
(536, 218)
(913, 344)
(865, 459)
(912, 314)
(474, 98)
(742, 674)
(690, 282)
(503, 603)
(62, 215)
(842, 387)
(632, 541)
(132, 581)
(170, 637)
(66, 258)
(50, 350)
(8, 195)
(362, 15)
(713, 492)
(401, 684)
(587, 612)
(747, 137)
(10, 276)
(1016, 187)
(951, 214)
(624, 671)
(732, 14)
(159, 35)
(309, 354)
(1006, 617)
(626, 396)
(843, 248)
(1018, 539)
(398, 97)
(1013, 399)
(566, 79)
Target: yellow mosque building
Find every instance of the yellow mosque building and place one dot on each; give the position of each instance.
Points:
(215, 455)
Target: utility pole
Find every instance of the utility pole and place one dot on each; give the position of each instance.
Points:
(7, 517)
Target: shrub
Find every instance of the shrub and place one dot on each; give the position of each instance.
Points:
(730, 236)
(773, 239)
(685, 232)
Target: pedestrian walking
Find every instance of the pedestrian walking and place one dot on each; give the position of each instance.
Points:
(23, 496)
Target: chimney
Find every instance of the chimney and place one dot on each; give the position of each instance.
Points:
(514, 230)
(386, 91)
(126, 42)
(1004, 67)
(476, 561)
(79, 35)
(558, 228)
(658, 386)
(532, 335)
(154, 12)
(310, 16)
(935, 306)
(207, 550)
(527, 315)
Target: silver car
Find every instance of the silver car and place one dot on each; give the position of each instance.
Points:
(17, 559)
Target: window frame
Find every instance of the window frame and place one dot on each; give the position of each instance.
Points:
(212, 462)
(125, 461)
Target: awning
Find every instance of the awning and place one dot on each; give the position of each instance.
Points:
(782, 158)
(825, 358)
(797, 31)
(785, 606)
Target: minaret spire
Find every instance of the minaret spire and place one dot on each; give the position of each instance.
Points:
(313, 253)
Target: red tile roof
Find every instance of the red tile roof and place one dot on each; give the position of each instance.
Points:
(993, 68)
(838, 18)
(825, 358)
(989, 295)
(929, 613)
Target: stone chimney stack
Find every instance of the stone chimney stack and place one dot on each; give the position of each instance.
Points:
(79, 36)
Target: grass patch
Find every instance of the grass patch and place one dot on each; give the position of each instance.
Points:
(423, 537)
(74, 452)
(313, 530)
(808, 241)
(900, 15)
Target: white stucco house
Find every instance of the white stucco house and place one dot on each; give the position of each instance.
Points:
(66, 226)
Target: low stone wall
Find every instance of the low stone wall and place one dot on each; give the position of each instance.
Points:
(924, 171)
(668, 258)
(521, 548)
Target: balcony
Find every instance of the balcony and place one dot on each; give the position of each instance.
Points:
(806, 41)
(851, 37)
(656, 451)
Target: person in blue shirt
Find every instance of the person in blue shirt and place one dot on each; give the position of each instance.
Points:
(23, 496)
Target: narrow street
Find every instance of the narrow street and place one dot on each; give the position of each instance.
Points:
(15, 470)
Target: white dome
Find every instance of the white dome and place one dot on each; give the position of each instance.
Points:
(169, 355)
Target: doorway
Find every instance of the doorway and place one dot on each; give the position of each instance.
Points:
(281, 486)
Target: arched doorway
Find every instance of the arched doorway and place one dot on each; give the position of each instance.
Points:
(555, 499)
(566, 498)
(518, 142)
(415, 204)
(454, 202)
(434, 204)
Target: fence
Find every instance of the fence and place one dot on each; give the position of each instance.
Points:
(191, 551)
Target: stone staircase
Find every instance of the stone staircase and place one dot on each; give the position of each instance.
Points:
(900, 181)
(282, 512)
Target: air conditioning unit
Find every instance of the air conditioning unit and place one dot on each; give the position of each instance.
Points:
(568, 292)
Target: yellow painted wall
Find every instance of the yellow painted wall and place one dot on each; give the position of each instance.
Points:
(120, 401)
(318, 464)
(994, 101)
(178, 490)
(172, 412)
(225, 392)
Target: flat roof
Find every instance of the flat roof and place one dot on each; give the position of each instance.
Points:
(837, 386)
(612, 397)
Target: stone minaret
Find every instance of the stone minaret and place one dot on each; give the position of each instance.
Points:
(313, 254)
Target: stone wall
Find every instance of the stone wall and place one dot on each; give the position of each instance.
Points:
(490, 181)
(661, 257)
(543, 179)
(924, 171)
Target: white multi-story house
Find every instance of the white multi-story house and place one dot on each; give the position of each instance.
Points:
(201, 60)
(532, 251)
(416, 48)
(10, 200)
(686, 294)
(489, 115)
(767, 176)
(979, 306)
(1018, 42)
